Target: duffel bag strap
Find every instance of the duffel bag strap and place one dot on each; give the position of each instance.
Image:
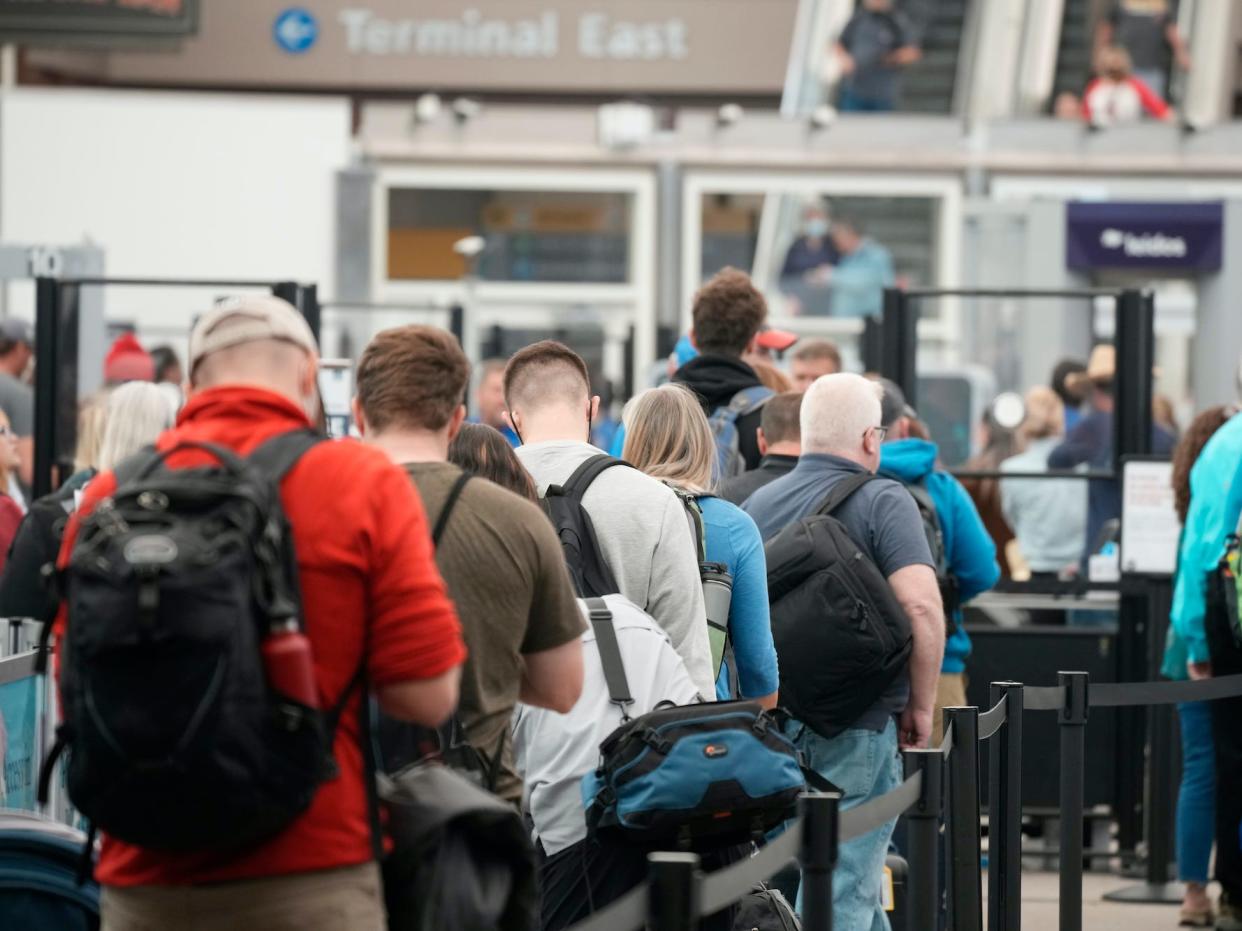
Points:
(610, 656)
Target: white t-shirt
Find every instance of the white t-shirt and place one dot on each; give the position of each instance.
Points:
(554, 751)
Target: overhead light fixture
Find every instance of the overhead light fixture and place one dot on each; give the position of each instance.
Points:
(465, 109)
(823, 116)
(728, 114)
(470, 247)
(426, 108)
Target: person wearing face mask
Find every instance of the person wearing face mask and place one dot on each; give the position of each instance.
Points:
(640, 524)
(809, 262)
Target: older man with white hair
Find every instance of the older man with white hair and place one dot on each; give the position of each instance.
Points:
(841, 436)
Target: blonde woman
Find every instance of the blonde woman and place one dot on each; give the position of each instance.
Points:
(1048, 516)
(111, 427)
(668, 437)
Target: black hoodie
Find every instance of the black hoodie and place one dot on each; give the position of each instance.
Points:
(716, 380)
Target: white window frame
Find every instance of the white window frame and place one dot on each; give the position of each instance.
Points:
(615, 306)
(944, 188)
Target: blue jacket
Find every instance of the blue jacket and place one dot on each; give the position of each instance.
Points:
(969, 549)
(733, 539)
(1215, 503)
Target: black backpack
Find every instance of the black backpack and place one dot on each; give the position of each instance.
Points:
(841, 635)
(932, 528)
(563, 504)
(175, 740)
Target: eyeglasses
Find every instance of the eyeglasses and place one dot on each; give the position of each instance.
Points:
(880, 433)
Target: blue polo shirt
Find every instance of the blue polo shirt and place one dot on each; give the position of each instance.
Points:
(880, 517)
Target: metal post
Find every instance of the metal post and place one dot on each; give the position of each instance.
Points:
(899, 346)
(457, 323)
(673, 901)
(923, 839)
(287, 291)
(965, 883)
(308, 296)
(47, 384)
(817, 857)
(1005, 812)
(1136, 354)
(871, 347)
(1073, 721)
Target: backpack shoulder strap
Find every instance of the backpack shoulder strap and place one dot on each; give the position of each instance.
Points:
(744, 402)
(694, 513)
(276, 456)
(918, 491)
(610, 655)
(134, 465)
(446, 509)
(843, 491)
(577, 483)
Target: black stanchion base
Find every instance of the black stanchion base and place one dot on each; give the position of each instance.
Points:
(1149, 893)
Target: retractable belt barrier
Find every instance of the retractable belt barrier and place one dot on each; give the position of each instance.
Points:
(678, 894)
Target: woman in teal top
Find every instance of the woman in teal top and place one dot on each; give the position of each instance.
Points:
(668, 437)
(1200, 546)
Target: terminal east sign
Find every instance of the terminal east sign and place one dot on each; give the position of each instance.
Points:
(619, 47)
(598, 36)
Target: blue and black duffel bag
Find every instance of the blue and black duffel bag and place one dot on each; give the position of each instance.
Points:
(696, 777)
(39, 884)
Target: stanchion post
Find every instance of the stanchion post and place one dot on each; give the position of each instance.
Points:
(923, 839)
(47, 382)
(1073, 724)
(674, 880)
(817, 856)
(1005, 812)
(965, 884)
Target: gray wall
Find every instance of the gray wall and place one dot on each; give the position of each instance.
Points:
(1218, 335)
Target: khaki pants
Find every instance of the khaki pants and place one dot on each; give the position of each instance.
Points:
(346, 899)
(950, 693)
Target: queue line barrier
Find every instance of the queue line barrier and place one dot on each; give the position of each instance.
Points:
(941, 785)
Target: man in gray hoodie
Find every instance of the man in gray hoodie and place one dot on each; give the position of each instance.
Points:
(640, 524)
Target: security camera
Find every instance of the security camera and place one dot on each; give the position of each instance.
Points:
(728, 114)
(466, 109)
(426, 108)
(470, 246)
(823, 116)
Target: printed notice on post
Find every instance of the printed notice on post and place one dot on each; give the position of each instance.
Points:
(1149, 524)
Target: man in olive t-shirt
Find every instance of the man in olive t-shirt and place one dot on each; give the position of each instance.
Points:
(497, 551)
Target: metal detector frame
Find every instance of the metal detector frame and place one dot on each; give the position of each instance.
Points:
(50, 305)
(892, 350)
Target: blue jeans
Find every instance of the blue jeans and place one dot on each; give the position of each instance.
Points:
(848, 101)
(864, 765)
(1196, 799)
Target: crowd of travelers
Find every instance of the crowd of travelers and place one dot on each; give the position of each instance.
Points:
(263, 636)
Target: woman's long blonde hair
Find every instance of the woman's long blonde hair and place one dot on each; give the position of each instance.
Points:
(668, 437)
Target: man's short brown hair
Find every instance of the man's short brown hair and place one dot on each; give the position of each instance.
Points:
(413, 377)
(546, 370)
(781, 418)
(816, 350)
(728, 312)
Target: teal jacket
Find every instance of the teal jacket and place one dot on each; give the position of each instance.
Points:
(968, 548)
(859, 280)
(1215, 503)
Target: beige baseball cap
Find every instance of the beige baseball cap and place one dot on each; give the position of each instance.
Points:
(250, 318)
